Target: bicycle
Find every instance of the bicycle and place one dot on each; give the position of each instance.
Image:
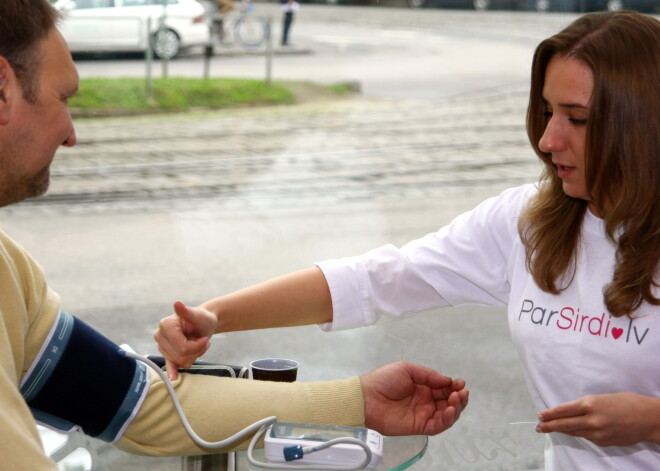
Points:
(248, 30)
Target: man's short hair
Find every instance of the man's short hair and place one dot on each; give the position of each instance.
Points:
(23, 23)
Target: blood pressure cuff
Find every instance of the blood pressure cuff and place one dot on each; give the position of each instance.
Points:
(79, 380)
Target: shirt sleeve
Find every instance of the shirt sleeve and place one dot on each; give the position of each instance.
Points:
(217, 408)
(465, 262)
(27, 311)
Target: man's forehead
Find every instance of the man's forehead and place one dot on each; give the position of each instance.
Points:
(56, 60)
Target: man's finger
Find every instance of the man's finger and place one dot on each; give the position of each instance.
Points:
(423, 375)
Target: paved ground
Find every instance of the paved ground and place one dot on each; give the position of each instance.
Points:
(355, 149)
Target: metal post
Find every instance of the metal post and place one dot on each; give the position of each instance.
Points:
(208, 54)
(149, 59)
(164, 60)
(269, 51)
(216, 462)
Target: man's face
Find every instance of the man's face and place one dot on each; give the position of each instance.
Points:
(31, 133)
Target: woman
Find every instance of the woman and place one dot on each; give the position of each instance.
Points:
(574, 257)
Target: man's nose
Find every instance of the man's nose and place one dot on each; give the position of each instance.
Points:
(71, 139)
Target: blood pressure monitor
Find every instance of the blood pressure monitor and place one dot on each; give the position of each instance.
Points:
(283, 437)
(317, 446)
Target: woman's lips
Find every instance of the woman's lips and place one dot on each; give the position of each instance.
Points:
(564, 171)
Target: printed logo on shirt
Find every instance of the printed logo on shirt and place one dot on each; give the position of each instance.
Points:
(570, 319)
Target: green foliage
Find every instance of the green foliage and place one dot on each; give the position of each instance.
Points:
(175, 94)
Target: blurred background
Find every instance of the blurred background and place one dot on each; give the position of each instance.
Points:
(157, 207)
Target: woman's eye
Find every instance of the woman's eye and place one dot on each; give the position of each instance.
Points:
(578, 122)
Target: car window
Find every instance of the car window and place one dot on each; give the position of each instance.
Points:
(84, 4)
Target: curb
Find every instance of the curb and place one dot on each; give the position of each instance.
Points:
(232, 50)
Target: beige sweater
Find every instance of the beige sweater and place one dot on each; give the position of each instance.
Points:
(216, 407)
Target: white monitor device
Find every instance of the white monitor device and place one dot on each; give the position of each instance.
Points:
(283, 436)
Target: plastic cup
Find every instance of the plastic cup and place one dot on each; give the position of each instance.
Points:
(274, 369)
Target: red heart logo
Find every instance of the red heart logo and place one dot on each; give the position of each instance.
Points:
(616, 332)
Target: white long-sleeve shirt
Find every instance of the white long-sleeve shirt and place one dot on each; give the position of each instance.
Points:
(569, 344)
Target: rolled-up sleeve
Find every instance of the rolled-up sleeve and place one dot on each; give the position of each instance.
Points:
(381, 282)
(466, 262)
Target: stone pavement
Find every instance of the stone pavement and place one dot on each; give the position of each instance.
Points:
(328, 151)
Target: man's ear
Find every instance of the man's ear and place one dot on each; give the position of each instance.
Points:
(7, 77)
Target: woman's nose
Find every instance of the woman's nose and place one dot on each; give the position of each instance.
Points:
(552, 139)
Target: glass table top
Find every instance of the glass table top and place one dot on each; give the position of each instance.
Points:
(77, 452)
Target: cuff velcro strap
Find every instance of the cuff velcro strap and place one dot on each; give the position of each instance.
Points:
(80, 380)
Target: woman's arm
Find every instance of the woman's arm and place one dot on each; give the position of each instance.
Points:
(299, 298)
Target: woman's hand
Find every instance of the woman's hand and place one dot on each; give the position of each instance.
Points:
(408, 399)
(184, 336)
(619, 419)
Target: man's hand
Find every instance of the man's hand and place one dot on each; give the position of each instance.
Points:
(184, 336)
(408, 399)
(607, 419)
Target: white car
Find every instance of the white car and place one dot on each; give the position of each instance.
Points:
(121, 25)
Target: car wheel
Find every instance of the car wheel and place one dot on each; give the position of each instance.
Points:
(416, 3)
(481, 5)
(615, 5)
(166, 44)
(542, 5)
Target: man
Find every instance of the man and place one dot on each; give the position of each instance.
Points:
(289, 8)
(222, 9)
(224, 6)
(59, 371)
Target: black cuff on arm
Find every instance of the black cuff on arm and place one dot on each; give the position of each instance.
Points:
(80, 380)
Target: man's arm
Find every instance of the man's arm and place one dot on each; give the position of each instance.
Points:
(20, 447)
(396, 399)
(82, 379)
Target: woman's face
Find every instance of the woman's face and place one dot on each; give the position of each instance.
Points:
(567, 96)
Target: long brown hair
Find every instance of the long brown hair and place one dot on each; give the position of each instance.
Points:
(622, 159)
